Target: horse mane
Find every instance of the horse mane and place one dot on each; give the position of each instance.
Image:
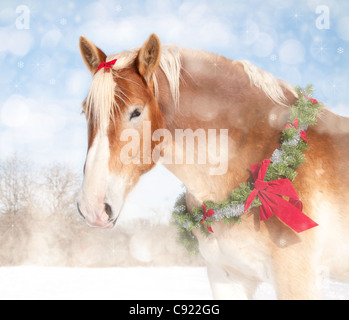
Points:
(273, 88)
(101, 104)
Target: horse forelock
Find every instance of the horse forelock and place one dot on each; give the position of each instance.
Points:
(104, 93)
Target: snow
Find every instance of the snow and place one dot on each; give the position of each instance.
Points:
(175, 283)
(36, 283)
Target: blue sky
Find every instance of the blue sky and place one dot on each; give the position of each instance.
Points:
(43, 79)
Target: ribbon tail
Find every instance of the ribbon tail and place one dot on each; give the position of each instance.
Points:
(293, 217)
(250, 199)
(266, 211)
(304, 136)
(297, 203)
(209, 228)
(296, 123)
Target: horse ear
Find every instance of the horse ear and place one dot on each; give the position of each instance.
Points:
(91, 55)
(149, 57)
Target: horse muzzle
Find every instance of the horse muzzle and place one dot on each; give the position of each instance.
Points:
(103, 220)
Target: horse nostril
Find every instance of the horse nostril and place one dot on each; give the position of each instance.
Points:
(108, 211)
(80, 213)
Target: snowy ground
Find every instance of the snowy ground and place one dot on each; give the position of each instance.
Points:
(33, 283)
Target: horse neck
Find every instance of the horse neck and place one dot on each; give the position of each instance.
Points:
(216, 93)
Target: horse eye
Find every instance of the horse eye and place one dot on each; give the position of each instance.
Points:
(135, 114)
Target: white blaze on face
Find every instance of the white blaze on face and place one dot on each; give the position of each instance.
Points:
(100, 187)
(92, 195)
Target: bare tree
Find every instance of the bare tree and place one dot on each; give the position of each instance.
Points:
(16, 191)
(39, 224)
(61, 185)
(16, 185)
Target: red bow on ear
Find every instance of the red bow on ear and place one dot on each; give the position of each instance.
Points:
(270, 194)
(109, 64)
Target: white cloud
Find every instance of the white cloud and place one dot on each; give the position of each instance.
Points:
(343, 28)
(15, 112)
(17, 42)
(51, 38)
(78, 82)
(251, 32)
(7, 16)
(30, 120)
(193, 24)
(292, 52)
(44, 130)
(264, 45)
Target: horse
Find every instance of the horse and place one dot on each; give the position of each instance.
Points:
(158, 87)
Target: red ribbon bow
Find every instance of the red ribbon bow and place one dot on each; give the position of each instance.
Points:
(207, 214)
(270, 194)
(109, 64)
(295, 124)
(313, 101)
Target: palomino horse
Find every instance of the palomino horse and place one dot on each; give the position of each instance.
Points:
(173, 88)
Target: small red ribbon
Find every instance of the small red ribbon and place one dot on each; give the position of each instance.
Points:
(207, 214)
(270, 194)
(313, 101)
(107, 65)
(295, 124)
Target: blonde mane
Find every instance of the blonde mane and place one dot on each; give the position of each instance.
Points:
(270, 85)
(101, 104)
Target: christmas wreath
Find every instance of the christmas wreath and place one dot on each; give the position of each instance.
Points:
(272, 183)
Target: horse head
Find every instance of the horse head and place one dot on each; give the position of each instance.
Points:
(121, 99)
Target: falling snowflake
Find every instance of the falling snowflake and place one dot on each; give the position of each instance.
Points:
(214, 64)
(38, 65)
(16, 86)
(63, 21)
(273, 57)
(283, 243)
(20, 64)
(319, 49)
(296, 16)
(272, 117)
(334, 87)
(118, 8)
(340, 50)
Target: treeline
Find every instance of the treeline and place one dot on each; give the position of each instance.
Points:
(39, 225)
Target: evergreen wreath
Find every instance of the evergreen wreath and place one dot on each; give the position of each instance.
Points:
(284, 163)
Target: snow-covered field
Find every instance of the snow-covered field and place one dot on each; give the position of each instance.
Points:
(34, 283)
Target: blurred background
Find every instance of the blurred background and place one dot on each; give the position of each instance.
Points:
(43, 137)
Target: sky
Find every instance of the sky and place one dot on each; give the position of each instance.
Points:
(43, 79)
